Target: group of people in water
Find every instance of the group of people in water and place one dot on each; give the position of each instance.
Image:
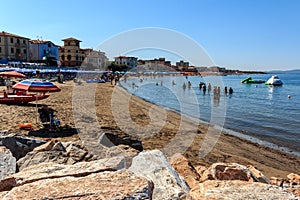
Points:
(204, 88)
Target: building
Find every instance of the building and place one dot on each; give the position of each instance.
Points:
(70, 54)
(182, 66)
(124, 60)
(13, 47)
(95, 60)
(43, 52)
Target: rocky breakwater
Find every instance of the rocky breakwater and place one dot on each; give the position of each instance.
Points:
(57, 170)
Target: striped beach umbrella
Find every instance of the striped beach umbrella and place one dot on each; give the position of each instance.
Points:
(36, 85)
(10, 74)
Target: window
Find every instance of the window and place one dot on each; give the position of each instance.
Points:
(12, 50)
(63, 51)
(69, 43)
(76, 51)
(49, 45)
(0, 50)
(18, 41)
(24, 42)
(69, 57)
(11, 40)
(0, 39)
(69, 51)
(18, 51)
(24, 51)
(77, 44)
(76, 57)
(44, 51)
(63, 57)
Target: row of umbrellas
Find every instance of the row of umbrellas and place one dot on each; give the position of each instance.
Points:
(30, 85)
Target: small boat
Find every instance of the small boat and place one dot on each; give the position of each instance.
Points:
(15, 98)
(274, 80)
(249, 80)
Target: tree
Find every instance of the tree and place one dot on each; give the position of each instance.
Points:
(115, 67)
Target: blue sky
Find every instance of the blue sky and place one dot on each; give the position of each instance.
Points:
(237, 34)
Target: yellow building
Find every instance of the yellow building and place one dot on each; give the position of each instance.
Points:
(13, 47)
(70, 54)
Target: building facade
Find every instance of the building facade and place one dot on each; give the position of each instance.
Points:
(124, 60)
(95, 60)
(70, 55)
(182, 66)
(43, 52)
(13, 47)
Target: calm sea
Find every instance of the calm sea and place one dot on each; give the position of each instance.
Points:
(257, 112)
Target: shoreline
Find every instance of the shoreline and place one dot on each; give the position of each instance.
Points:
(228, 148)
(227, 130)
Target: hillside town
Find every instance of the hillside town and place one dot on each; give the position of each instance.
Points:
(20, 51)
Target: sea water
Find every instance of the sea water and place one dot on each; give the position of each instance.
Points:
(257, 112)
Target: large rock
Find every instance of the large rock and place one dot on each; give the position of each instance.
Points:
(294, 179)
(7, 162)
(122, 150)
(103, 185)
(154, 166)
(19, 145)
(228, 171)
(35, 157)
(258, 174)
(54, 151)
(239, 190)
(112, 139)
(53, 170)
(185, 169)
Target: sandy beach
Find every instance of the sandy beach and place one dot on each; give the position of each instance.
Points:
(227, 149)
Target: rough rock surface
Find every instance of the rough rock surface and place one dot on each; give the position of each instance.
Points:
(54, 151)
(104, 185)
(154, 166)
(122, 150)
(200, 169)
(53, 170)
(258, 174)
(228, 171)
(294, 179)
(112, 139)
(19, 145)
(239, 190)
(7, 162)
(185, 169)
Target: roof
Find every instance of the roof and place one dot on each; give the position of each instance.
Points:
(3, 33)
(42, 42)
(71, 39)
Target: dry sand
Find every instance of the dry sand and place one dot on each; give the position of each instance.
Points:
(170, 138)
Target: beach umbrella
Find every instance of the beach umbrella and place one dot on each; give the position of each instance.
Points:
(11, 74)
(36, 85)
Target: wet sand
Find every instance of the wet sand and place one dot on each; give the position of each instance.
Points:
(158, 129)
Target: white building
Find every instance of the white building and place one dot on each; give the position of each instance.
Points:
(124, 60)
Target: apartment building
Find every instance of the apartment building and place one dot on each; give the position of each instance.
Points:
(13, 47)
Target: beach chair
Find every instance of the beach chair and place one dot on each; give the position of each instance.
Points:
(48, 118)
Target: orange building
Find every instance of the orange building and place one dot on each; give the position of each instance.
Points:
(70, 55)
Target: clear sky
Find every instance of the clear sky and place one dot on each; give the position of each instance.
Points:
(237, 34)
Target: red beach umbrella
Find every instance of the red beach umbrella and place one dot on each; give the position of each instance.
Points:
(36, 85)
(10, 74)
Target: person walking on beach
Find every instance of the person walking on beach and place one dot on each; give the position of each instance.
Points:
(230, 90)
